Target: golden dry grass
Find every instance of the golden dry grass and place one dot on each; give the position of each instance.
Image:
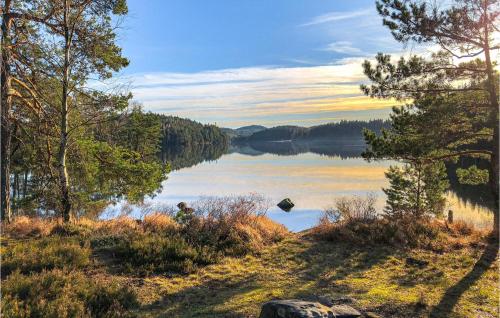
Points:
(23, 226)
(159, 222)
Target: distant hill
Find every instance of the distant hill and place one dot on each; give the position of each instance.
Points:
(243, 131)
(327, 132)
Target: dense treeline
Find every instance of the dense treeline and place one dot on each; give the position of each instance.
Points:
(330, 132)
(179, 132)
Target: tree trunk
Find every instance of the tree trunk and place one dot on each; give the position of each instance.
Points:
(6, 108)
(492, 91)
(63, 145)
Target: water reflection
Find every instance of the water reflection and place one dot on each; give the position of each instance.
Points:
(312, 175)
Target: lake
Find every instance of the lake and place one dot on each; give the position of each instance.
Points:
(312, 176)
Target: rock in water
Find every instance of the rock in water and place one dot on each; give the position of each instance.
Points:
(286, 205)
(305, 309)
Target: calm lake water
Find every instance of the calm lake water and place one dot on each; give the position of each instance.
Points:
(306, 175)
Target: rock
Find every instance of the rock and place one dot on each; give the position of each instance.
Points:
(286, 205)
(182, 205)
(330, 301)
(410, 261)
(345, 311)
(294, 308)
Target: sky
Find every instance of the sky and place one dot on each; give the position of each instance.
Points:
(235, 63)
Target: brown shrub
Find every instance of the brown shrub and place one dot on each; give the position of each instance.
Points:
(407, 231)
(235, 225)
(117, 226)
(461, 227)
(24, 226)
(159, 223)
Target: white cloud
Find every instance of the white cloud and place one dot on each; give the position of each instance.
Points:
(274, 95)
(338, 16)
(344, 47)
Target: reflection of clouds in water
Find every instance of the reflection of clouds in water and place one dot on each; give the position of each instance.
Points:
(312, 181)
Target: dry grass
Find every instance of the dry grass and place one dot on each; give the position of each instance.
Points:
(120, 225)
(160, 223)
(429, 234)
(23, 226)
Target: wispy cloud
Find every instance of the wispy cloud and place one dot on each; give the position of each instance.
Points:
(271, 95)
(338, 16)
(343, 47)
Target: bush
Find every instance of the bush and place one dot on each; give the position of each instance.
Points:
(44, 254)
(233, 225)
(59, 293)
(153, 253)
(28, 227)
(159, 223)
(82, 229)
(118, 226)
(350, 209)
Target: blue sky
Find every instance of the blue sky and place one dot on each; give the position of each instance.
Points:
(241, 62)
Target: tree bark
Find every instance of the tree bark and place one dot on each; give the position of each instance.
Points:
(493, 94)
(63, 145)
(6, 108)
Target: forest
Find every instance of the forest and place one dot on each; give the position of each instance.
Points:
(75, 142)
(326, 132)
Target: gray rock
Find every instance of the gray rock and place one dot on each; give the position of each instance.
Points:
(182, 205)
(330, 301)
(286, 205)
(294, 308)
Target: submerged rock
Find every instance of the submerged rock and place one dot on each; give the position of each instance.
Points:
(294, 308)
(286, 205)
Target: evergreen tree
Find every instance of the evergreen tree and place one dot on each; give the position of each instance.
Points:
(416, 190)
(454, 92)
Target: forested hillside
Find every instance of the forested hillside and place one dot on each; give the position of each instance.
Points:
(329, 132)
(180, 132)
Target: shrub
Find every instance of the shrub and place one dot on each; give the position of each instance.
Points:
(233, 225)
(159, 223)
(153, 253)
(83, 229)
(59, 293)
(44, 254)
(120, 225)
(356, 208)
(23, 226)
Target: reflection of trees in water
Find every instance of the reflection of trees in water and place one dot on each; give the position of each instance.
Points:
(475, 195)
(190, 155)
(345, 149)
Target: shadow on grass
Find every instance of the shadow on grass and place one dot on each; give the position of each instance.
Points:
(453, 294)
(294, 269)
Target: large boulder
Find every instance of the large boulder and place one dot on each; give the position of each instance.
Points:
(294, 308)
(286, 205)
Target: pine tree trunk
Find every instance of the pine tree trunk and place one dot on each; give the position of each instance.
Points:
(493, 94)
(6, 108)
(63, 145)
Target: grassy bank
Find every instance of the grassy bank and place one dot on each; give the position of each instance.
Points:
(159, 268)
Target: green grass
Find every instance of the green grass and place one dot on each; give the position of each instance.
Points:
(35, 255)
(60, 293)
(75, 271)
(377, 277)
